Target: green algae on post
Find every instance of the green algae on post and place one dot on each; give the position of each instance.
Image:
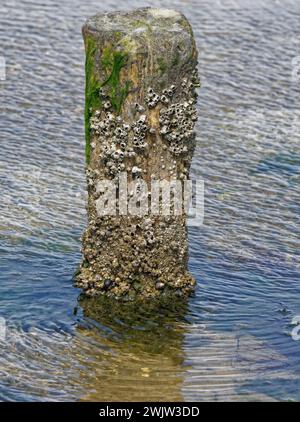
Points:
(92, 98)
(141, 74)
(113, 62)
(161, 65)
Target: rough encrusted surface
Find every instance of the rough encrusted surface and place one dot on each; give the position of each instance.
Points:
(140, 114)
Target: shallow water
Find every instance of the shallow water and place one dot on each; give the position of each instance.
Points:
(233, 341)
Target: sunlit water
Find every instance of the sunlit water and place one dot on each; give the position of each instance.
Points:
(233, 341)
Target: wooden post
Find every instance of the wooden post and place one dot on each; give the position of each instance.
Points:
(140, 113)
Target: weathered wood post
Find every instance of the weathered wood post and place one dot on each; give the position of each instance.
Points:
(140, 114)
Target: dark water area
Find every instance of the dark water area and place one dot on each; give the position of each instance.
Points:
(232, 341)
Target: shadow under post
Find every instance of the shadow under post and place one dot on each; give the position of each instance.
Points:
(136, 349)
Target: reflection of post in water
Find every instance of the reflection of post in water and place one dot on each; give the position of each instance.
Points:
(136, 349)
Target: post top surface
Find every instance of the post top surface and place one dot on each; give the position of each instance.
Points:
(138, 20)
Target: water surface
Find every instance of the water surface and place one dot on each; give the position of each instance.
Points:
(232, 341)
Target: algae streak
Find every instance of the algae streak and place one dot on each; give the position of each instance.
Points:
(113, 62)
(92, 97)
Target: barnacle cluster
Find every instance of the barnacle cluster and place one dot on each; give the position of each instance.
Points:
(128, 256)
(140, 129)
(178, 120)
(133, 261)
(152, 98)
(118, 140)
(177, 124)
(113, 135)
(121, 140)
(148, 230)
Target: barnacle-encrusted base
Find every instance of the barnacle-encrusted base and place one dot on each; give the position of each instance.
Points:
(140, 116)
(126, 257)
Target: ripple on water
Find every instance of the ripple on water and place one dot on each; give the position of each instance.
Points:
(233, 340)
